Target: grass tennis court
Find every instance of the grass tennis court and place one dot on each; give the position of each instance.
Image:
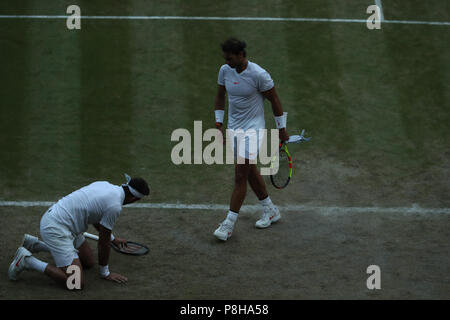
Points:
(84, 105)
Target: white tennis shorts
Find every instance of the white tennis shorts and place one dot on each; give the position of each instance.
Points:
(62, 243)
(246, 144)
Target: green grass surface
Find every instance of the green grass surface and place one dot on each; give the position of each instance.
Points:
(307, 255)
(87, 105)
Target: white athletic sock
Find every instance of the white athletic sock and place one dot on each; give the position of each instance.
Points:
(35, 264)
(41, 246)
(266, 201)
(232, 216)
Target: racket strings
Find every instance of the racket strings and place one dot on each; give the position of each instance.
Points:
(282, 176)
(132, 248)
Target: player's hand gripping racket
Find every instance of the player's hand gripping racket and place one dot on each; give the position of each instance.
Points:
(283, 167)
(132, 248)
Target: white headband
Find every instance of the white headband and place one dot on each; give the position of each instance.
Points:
(133, 191)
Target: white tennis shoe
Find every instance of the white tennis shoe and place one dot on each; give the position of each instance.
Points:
(224, 231)
(18, 263)
(270, 215)
(29, 242)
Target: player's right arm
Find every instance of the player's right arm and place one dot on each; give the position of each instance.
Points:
(220, 108)
(103, 256)
(220, 97)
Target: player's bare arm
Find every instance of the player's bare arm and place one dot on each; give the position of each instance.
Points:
(220, 98)
(103, 255)
(220, 108)
(277, 109)
(103, 245)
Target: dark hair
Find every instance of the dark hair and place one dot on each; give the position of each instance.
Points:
(140, 185)
(234, 46)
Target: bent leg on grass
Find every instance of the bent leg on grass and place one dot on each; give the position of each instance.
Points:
(59, 274)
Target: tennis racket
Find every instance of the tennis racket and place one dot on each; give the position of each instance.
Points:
(132, 248)
(282, 162)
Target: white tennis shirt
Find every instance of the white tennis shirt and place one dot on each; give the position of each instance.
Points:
(100, 202)
(245, 101)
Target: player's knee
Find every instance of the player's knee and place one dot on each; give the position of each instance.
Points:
(86, 256)
(74, 275)
(87, 261)
(88, 264)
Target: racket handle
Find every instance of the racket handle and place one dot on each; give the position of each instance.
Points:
(90, 236)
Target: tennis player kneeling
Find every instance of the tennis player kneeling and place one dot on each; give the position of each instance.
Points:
(64, 223)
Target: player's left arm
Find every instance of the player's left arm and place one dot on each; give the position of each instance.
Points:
(277, 109)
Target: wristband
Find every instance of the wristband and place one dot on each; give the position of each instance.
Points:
(280, 121)
(104, 271)
(219, 115)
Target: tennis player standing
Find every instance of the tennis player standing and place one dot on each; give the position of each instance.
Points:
(64, 223)
(247, 84)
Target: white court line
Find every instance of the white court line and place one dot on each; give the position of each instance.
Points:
(380, 6)
(414, 209)
(412, 22)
